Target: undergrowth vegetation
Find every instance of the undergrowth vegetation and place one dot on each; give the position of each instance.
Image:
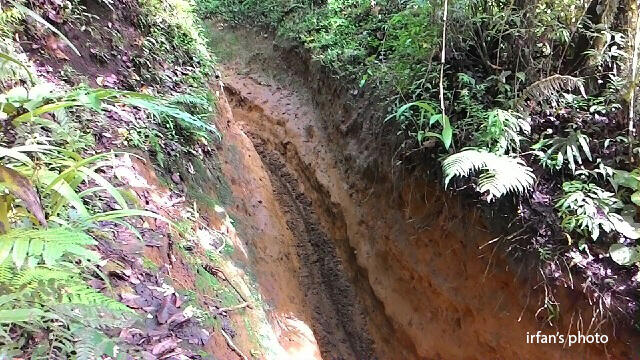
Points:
(531, 104)
(57, 189)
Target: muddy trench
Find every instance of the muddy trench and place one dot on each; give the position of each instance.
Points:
(338, 321)
(375, 272)
(334, 286)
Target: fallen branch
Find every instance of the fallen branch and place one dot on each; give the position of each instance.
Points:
(235, 307)
(232, 346)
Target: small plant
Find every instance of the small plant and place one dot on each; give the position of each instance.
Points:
(589, 210)
(625, 255)
(46, 198)
(500, 174)
(550, 88)
(423, 121)
(561, 149)
(502, 131)
(630, 180)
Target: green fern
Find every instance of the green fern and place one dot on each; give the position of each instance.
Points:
(95, 316)
(197, 101)
(65, 287)
(159, 109)
(61, 301)
(91, 344)
(80, 293)
(49, 245)
(30, 279)
(502, 129)
(501, 174)
(551, 87)
(85, 346)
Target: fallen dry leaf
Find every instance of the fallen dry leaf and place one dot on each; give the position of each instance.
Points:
(22, 188)
(164, 346)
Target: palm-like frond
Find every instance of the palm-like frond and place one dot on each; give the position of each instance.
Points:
(501, 174)
(551, 86)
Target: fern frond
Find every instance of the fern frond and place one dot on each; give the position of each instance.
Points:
(502, 129)
(159, 109)
(95, 316)
(52, 286)
(551, 86)
(6, 274)
(189, 99)
(80, 293)
(32, 278)
(92, 344)
(502, 174)
(463, 164)
(49, 245)
(85, 345)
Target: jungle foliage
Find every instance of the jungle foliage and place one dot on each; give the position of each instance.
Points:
(532, 103)
(55, 189)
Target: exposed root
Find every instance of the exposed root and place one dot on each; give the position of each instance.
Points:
(217, 272)
(232, 346)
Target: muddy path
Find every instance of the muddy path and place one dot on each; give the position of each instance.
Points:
(307, 267)
(338, 321)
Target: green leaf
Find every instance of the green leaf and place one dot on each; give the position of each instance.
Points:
(624, 255)
(91, 100)
(72, 169)
(159, 109)
(21, 187)
(7, 57)
(66, 192)
(20, 249)
(447, 132)
(119, 214)
(104, 183)
(5, 249)
(36, 246)
(43, 110)
(434, 118)
(584, 142)
(20, 315)
(635, 198)
(13, 153)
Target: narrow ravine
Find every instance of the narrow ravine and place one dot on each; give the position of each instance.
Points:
(374, 273)
(338, 321)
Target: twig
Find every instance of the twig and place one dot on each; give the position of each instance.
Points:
(235, 307)
(442, 56)
(232, 345)
(634, 64)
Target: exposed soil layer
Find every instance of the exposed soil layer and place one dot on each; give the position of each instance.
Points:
(382, 270)
(337, 319)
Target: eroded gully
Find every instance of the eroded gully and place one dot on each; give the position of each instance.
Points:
(354, 273)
